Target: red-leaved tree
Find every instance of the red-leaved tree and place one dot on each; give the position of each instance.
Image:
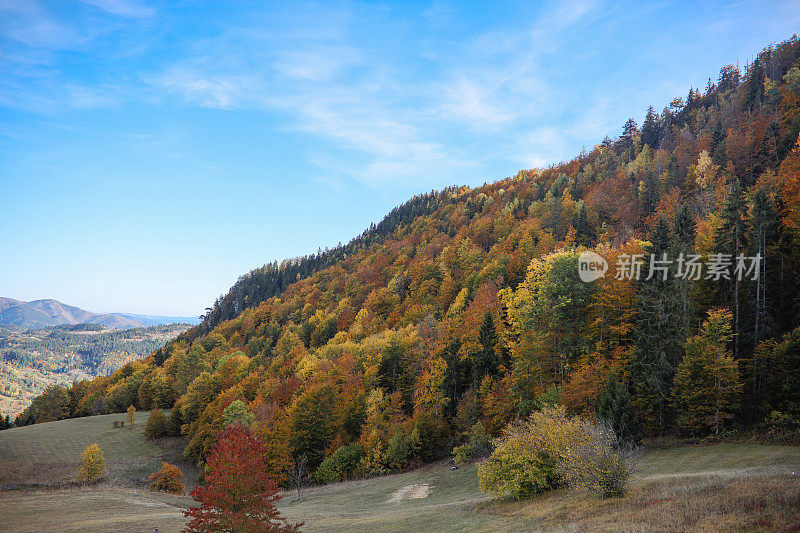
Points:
(238, 494)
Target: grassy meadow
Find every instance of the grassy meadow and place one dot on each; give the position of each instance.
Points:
(49, 453)
(722, 487)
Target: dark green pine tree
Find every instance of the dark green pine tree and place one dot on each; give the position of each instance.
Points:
(651, 129)
(659, 334)
(628, 139)
(718, 153)
(484, 360)
(684, 229)
(731, 239)
(394, 374)
(762, 232)
(583, 230)
(683, 236)
(457, 377)
(616, 408)
(391, 367)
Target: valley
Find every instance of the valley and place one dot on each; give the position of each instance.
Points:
(30, 360)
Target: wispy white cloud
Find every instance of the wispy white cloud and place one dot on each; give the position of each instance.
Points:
(93, 97)
(124, 8)
(390, 92)
(29, 24)
(474, 102)
(36, 37)
(317, 64)
(395, 115)
(207, 89)
(397, 119)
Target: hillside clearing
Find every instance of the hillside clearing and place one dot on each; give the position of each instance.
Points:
(49, 453)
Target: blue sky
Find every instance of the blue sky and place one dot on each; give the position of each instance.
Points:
(151, 152)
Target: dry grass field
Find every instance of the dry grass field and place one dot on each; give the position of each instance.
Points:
(724, 487)
(100, 508)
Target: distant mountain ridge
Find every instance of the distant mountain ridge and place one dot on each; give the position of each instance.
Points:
(43, 313)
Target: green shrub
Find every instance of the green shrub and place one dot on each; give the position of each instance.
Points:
(778, 422)
(516, 470)
(157, 425)
(522, 463)
(479, 445)
(340, 465)
(401, 449)
(238, 413)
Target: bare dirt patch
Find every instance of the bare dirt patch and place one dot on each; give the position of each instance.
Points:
(415, 491)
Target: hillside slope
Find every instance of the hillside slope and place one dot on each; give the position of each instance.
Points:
(467, 306)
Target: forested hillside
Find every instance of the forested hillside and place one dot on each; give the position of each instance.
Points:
(466, 305)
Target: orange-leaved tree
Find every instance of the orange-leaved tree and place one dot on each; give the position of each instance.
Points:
(238, 494)
(169, 478)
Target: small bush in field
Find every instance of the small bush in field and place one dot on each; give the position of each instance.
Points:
(93, 464)
(156, 425)
(595, 461)
(551, 449)
(522, 463)
(169, 478)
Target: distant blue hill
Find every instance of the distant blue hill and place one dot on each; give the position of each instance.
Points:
(43, 313)
(154, 320)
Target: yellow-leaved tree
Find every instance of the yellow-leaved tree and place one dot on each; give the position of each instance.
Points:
(131, 415)
(93, 464)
